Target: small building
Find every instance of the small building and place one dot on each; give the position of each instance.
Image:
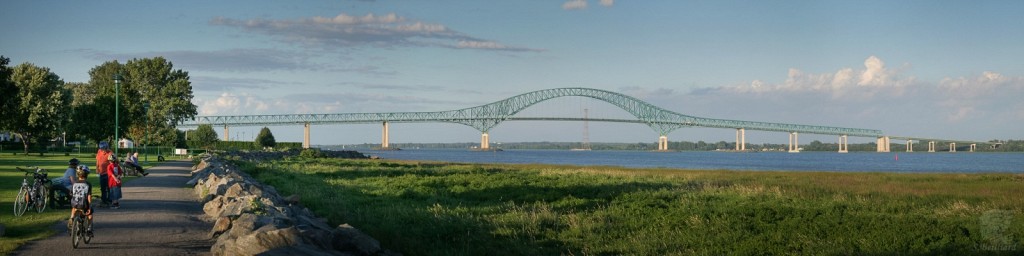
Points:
(125, 143)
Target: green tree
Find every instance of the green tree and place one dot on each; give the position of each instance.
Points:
(202, 137)
(7, 87)
(43, 103)
(152, 80)
(168, 93)
(265, 139)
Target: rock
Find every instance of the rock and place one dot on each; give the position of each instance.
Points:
(350, 239)
(213, 207)
(259, 242)
(233, 207)
(222, 224)
(235, 190)
(292, 199)
(301, 249)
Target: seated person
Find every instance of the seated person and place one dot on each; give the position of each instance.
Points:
(133, 162)
(64, 182)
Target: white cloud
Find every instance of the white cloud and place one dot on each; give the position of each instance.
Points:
(874, 79)
(574, 5)
(231, 104)
(607, 2)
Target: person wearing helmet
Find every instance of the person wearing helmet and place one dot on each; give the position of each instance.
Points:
(81, 197)
(102, 155)
(114, 174)
(64, 182)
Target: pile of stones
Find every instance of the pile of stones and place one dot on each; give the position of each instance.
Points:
(252, 218)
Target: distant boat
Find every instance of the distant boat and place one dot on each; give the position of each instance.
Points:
(579, 149)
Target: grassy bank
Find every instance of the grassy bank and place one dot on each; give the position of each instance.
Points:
(472, 209)
(33, 225)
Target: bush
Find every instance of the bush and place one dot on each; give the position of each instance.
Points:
(310, 153)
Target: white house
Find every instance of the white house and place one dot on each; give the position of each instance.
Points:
(125, 143)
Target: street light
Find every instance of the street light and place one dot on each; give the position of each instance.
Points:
(145, 147)
(117, 103)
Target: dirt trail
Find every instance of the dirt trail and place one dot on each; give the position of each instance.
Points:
(159, 215)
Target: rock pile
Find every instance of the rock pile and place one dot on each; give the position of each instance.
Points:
(252, 218)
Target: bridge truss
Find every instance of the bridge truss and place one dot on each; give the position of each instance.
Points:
(486, 117)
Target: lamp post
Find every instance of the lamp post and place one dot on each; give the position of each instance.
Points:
(145, 131)
(117, 104)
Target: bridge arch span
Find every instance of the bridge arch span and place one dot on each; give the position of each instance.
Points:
(486, 117)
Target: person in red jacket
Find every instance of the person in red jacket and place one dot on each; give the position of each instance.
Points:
(114, 174)
(102, 162)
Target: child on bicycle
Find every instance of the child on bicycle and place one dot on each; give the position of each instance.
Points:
(81, 197)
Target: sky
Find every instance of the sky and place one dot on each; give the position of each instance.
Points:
(936, 69)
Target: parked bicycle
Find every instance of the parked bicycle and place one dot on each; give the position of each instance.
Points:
(79, 231)
(35, 195)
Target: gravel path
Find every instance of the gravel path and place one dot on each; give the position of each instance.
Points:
(159, 215)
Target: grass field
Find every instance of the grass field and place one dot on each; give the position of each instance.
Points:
(33, 225)
(473, 209)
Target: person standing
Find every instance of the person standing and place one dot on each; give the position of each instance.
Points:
(114, 174)
(102, 163)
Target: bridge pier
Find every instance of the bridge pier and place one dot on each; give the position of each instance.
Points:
(305, 135)
(952, 147)
(663, 143)
(794, 142)
(910, 146)
(226, 132)
(741, 139)
(931, 146)
(384, 143)
(882, 144)
(485, 142)
(844, 145)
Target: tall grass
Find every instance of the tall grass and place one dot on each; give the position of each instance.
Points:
(420, 208)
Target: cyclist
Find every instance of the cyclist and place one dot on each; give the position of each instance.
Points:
(64, 182)
(81, 197)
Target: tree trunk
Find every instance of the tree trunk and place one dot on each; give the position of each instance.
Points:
(24, 141)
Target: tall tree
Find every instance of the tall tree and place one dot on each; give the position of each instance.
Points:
(202, 137)
(265, 139)
(7, 103)
(94, 104)
(152, 80)
(43, 103)
(158, 98)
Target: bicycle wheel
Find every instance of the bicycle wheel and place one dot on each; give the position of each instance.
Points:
(42, 197)
(76, 230)
(21, 202)
(88, 237)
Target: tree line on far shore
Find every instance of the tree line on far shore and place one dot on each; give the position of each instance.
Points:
(1005, 146)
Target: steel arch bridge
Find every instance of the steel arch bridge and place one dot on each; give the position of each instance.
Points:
(486, 117)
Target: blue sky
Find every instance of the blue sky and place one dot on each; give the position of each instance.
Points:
(947, 69)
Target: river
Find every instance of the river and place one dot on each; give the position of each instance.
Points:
(897, 162)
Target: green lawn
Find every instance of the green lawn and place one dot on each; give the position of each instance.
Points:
(33, 225)
(473, 209)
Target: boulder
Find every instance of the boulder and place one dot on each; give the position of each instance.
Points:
(222, 224)
(259, 242)
(351, 240)
(292, 199)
